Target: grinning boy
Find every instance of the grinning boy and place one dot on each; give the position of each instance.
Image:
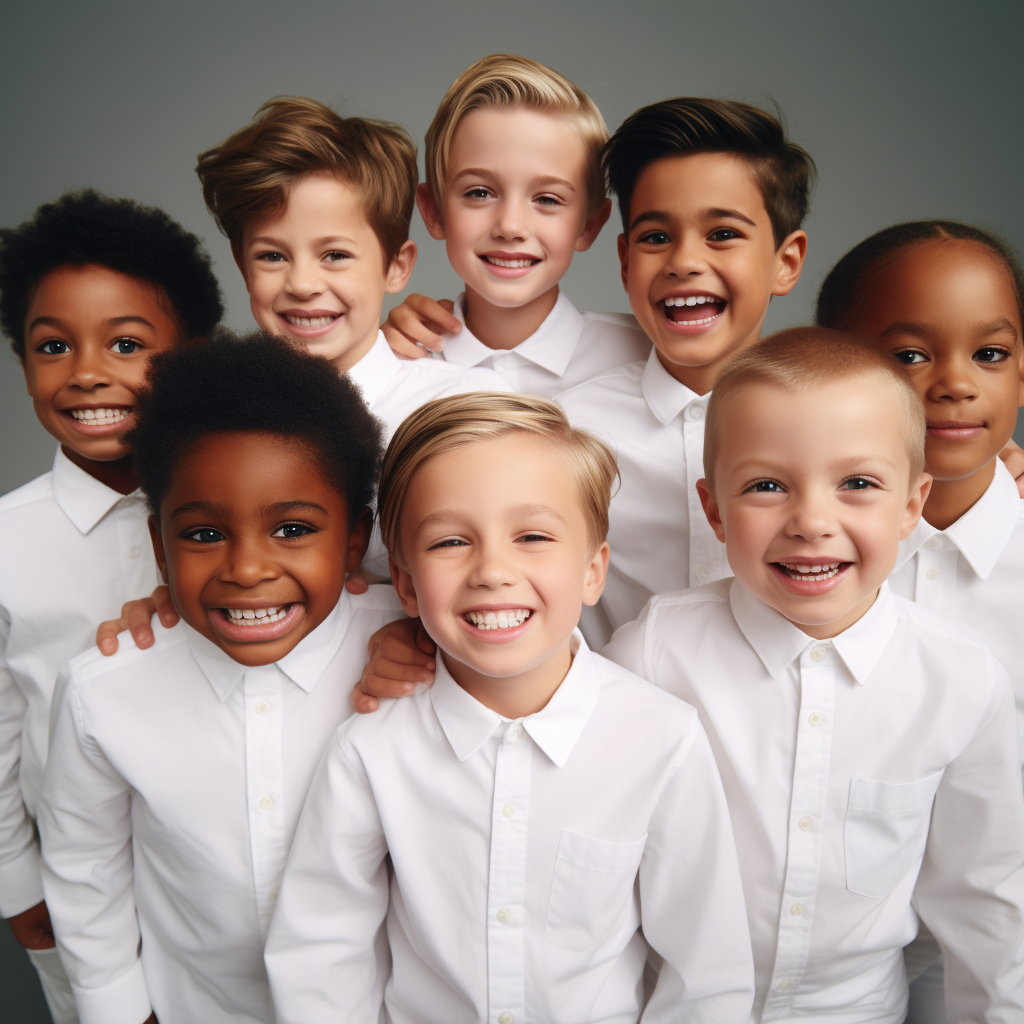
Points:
(515, 187)
(535, 826)
(90, 288)
(177, 773)
(868, 747)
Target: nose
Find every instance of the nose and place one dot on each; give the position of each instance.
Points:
(492, 567)
(953, 380)
(511, 221)
(248, 562)
(687, 257)
(810, 517)
(89, 368)
(303, 279)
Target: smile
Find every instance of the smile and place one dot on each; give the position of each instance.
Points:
(810, 573)
(511, 264)
(100, 417)
(692, 310)
(310, 321)
(257, 616)
(506, 618)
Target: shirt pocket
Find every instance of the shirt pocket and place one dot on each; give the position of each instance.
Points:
(592, 891)
(886, 832)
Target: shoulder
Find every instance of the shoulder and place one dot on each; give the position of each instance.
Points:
(709, 600)
(22, 500)
(380, 733)
(933, 629)
(621, 381)
(618, 323)
(444, 378)
(92, 665)
(380, 598)
(645, 697)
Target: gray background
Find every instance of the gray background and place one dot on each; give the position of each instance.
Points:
(911, 110)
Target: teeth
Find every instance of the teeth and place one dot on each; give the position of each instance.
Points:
(507, 618)
(310, 321)
(515, 264)
(690, 300)
(257, 616)
(100, 417)
(800, 571)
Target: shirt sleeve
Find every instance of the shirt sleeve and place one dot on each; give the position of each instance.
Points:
(326, 952)
(970, 892)
(628, 645)
(86, 832)
(691, 899)
(21, 886)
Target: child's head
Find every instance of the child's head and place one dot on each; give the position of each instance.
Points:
(495, 510)
(317, 210)
(259, 463)
(90, 288)
(712, 196)
(946, 300)
(514, 180)
(814, 456)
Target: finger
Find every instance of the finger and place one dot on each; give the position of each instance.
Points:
(165, 609)
(455, 324)
(378, 686)
(423, 640)
(363, 703)
(138, 617)
(356, 583)
(401, 345)
(399, 672)
(436, 312)
(402, 652)
(106, 635)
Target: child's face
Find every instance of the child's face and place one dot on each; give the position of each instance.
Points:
(698, 230)
(496, 530)
(948, 312)
(89, 333)
(515, 204)
(315, 270)
(249, 525)
(813, 495)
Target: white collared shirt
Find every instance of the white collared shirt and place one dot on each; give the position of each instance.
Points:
(72, 551)
(567, 349)
(974, 572)
(868, 776)
(174, 784)
(659, 537)
(525, 857)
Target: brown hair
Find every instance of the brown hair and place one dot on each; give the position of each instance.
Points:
(249, 174)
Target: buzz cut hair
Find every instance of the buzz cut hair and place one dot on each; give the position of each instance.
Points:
(805, 358)
(504, 81)
(447, 424)
(250, 173)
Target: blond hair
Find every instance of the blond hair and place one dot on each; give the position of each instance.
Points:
(447, 424)
(249, 174)
(505, 81)
(804, 358)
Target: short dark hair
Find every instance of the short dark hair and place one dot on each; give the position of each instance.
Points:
(89, 227)
(261, 384)
(688, 125)
(843, 287)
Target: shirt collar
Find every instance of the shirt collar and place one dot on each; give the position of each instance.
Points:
(550, 347)
(778, 643)
(374, 372)
(82, 498)
(982, 532)
(666, 397)
(555, 728)
(303, 665)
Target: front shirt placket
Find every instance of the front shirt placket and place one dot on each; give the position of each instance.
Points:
(935, 585)
(506, 883)
(817, 670)
(134, 546)
(707, 555)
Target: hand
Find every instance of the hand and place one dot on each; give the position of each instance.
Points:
(356, 582)
(401, 655)
(420, 321)
(1013, 456)
(32, 927)
(136, 616)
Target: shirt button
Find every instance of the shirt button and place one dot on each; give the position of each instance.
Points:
(696, 412)
(134, 551)
(935, 543)
(934, 573)
(815, 718)
(514, 733)
(505, 1018)
(806, 822)
(504, 915)
(266, 803)
(784, 985)
(818, 653)
(797, 909)
(262, 708)
(508, 810)
(703, 572)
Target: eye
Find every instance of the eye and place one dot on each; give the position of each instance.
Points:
(654, 238)
(724, 235)
(204, 535)
(53, 347)
(336, 257)
(290, 530)
(271, 257)
(991, 354)
(548, 200)
(533, 538)
(126, 346)
(766, 487)
(858, 483)
(448, 542)
(477, 192)
(910, 356)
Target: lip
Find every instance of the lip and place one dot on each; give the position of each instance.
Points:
(300, 331)
(256, 634)
(810, 588)
(692, 327)
(509, 272)
(955, 430)
(496, 636)
(102, 429)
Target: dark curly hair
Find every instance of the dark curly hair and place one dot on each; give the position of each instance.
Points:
(88, 227)
(257, 383)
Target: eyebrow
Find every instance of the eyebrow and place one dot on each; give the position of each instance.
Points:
(323, 240)
(282, 508)
(923, 331)
(512, 511)
(709, 213)
(207, 508)
(114, 321)
(850, 464)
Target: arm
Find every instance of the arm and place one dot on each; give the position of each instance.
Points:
(326, 951)
(86, 830)
(1013, 456)
(401, 655)
(418, 324)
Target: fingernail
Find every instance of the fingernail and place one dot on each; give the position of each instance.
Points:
(431, 665)
(408, 689)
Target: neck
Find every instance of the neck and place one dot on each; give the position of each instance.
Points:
(948, 500)
(118, 475)
(827, 630)
(344, 362)
(701, 379)
(502, 327)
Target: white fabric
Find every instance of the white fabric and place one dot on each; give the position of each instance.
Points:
(60, 1000)
(72, 551)
(567, 349)
(660, 539)
(863, 773)
(174, 784)
(524, 858)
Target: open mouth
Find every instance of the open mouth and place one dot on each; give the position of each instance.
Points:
(257, 616)
(311, 324)
(506, 618)
(693, 310)
(100, 417)
(511, 264)
(256, 625)
(811, 573)
(310, 321)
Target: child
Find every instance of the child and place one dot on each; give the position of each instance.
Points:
(90, 288)
(539, 823)
(176, 774)
(515, 187)
(868, 747)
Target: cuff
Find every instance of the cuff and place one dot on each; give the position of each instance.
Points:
(21, 882)
(123, 1001)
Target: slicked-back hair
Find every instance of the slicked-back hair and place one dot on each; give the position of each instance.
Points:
(843, 289)
(255, 384)
(688, 125)
(805, 358)
(87, 227)
(250, 173)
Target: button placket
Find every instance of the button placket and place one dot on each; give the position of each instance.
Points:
(935, 585)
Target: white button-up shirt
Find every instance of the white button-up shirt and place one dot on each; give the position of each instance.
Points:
(660, 539)
(974, 572)
(869, 776)
(567, 349)
(72, 551)
(174, 784)
(525, 857)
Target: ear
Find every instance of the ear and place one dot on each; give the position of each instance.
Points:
(915, 505)
(430, 212)
(789, 261)
(158, 547)
(592, 226)
(597, 571)
(404, 588)
(401, 267)
(623, 246)
(358, 540)
(711, 509)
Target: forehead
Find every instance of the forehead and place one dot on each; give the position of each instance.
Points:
(316, 205)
